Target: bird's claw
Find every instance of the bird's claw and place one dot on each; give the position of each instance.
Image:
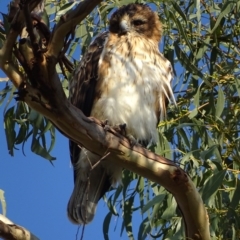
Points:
(122, 129)
(106, 125)
(132, 140)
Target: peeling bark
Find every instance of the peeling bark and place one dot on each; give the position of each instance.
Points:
(44, 93)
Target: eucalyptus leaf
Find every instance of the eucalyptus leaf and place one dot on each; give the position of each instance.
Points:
(211, 186)
(128, 217)
(39, 150)
(106, 223)
(220, 103)
(156, 200)
(9, 125)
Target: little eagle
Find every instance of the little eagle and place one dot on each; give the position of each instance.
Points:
(123, 78)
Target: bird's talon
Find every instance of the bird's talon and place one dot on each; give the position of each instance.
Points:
(106, 125)
(122, 128)
(106, 122)
(133, 141)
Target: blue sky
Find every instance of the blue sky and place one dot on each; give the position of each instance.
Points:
(37, 193)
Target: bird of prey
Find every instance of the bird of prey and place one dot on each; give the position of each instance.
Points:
(123, 78)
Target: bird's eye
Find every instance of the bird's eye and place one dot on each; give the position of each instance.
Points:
(138, 22)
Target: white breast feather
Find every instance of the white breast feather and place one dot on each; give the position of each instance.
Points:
(135, 80)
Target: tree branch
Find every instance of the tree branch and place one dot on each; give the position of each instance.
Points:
(6, 63)
(11, 231)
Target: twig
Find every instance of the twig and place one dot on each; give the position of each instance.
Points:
(95, 165)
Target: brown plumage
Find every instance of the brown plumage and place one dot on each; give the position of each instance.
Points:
(123, 78)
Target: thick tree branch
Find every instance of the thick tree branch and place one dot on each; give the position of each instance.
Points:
(11, 231)
(6, 63)
(44, 93)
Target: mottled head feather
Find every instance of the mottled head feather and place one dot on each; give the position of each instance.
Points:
(138, 18)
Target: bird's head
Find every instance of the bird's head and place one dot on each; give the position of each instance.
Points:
(138, 19)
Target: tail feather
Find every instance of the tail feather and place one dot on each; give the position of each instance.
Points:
(86, 194)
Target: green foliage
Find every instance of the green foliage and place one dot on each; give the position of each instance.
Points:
(201, 39)
(21, 123)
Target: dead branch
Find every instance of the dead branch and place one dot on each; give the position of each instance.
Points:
(42, 91)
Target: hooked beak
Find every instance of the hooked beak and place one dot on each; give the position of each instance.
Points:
(124, 27)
